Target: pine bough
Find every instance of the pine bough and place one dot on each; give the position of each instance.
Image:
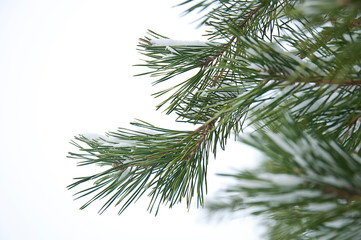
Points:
(290, 71)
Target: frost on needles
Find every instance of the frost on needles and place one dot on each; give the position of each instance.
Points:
(289, 72)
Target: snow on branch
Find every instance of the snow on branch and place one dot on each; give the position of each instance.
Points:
(164, 42)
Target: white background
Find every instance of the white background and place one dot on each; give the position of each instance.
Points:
(66, 69)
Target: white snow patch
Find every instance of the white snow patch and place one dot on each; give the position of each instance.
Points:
(172, 42)
(268, 56)
(357, 68)
(253, 184)
(347, 37)
(280, 142)
(323, 207)
(285, 198)
(252, 52)
(332, 180)
(338, 223)
(254, 66)
(92, 136)
(281, 179)
(107, 140)
(172, 50)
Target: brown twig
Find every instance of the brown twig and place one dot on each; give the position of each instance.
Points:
(349, 196)
(218, 76)
(206, 128)
(145, 41)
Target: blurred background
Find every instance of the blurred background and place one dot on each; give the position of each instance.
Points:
(66, 69)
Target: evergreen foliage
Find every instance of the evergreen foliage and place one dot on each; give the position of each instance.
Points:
(290, 70)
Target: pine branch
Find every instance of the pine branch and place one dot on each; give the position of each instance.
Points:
(165, 163)
(290, 73)
(307, 175)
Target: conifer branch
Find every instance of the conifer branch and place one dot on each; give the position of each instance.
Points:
(282, 69)
(328, 36)
(229, 43)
